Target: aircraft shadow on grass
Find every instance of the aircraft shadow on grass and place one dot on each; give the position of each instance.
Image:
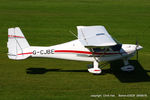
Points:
(44, 70)
(139, 75)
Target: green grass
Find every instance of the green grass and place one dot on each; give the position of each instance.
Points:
(47, 22)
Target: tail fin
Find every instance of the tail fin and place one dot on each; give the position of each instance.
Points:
(17, 44)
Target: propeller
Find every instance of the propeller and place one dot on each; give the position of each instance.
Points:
(137, 43)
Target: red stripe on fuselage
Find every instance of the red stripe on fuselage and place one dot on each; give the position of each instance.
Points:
(82, 52)
(15, 36)
(73, 51)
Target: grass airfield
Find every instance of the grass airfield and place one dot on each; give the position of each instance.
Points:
(48, 22)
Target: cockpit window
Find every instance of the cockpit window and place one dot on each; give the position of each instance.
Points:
(99, 49)
(96, 49)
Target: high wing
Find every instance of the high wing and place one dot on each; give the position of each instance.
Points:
(94, 36)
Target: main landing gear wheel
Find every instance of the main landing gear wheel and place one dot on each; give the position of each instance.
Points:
(94, 68)
(95, 71)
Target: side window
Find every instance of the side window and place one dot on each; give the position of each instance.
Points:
(99, 49)
(96, 49)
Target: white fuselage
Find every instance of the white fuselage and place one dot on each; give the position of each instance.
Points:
(74, 50)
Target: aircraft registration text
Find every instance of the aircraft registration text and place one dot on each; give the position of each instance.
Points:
(43, 52)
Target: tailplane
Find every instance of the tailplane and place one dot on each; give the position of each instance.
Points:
(17, 44)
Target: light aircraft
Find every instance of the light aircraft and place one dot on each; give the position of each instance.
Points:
(93, 44)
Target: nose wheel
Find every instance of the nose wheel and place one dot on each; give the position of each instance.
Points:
(127, 67)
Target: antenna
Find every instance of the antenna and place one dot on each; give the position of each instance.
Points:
(73, 34)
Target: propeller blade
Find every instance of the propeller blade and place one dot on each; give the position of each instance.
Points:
(137, 55)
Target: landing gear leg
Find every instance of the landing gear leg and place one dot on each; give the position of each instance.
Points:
(127, 67)
(95, 69)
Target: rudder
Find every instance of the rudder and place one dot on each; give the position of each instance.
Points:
(17, 44)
